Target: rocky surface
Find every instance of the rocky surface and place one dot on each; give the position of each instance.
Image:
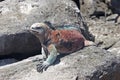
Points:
(95, 8)
(106, 33)
(115, 48)
(100, 8)
(91, 63)
(102, 18)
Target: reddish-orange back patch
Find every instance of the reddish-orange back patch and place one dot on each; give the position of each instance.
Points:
(67, 41)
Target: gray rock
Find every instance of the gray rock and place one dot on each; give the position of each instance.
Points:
(16, 16)
(118, 20)
(106, 33)
(112, 17)
(87, 7)
(91, 63)
(96, 8)
(115, 49)
(7, 61)
(99, 9)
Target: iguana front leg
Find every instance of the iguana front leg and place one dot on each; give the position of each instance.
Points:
(50, 59)
(45, 52)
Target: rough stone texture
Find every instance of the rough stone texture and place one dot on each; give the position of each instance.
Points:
(100, 8)
(91, 63)
(111, 17)
(118, 20)
(114, 5)
(94, 8)
(87, 7)
(115, 49)
(16, 16)
(106, 33)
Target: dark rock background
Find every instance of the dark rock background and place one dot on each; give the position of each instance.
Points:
(101, 19)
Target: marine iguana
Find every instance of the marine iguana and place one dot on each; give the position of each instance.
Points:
(56, 42)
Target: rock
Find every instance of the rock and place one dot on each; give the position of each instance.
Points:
(91, 63)
(112, 17)
(96, 8)
(87, 7)
(19, 43)
(16, 16)
(115, 6)
(7, 61)
(77, 2)
(115, 49)
(1, 0)
(115, 18)
(118, 20)
(106, 33)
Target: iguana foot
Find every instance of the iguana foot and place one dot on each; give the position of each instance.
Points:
(42, 66)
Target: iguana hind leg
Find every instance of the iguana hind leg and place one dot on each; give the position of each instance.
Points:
(89, 43)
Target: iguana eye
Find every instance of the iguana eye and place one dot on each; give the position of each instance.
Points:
(37, 28)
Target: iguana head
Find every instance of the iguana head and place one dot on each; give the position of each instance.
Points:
(40, 30)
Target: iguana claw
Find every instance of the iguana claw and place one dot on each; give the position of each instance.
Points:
(42, 66)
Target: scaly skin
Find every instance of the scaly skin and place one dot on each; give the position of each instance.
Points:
(56, 42)
(66, 41)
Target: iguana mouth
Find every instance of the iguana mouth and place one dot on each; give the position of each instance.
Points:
(33, 31)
